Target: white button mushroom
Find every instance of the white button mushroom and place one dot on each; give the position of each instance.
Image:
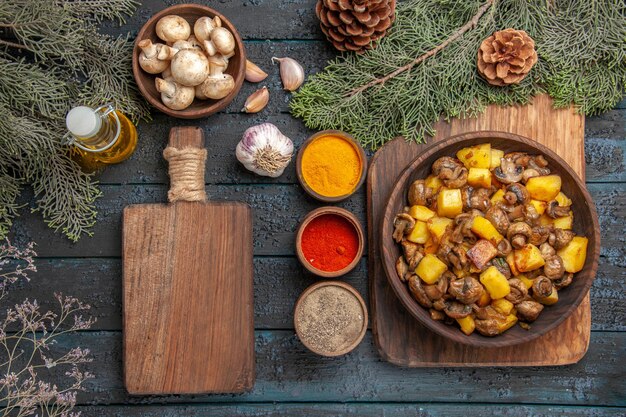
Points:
(204, 26)
(172, 28)
(217, 85)
(174, 95)
(190, 67)
(221, 41)
(149, 59)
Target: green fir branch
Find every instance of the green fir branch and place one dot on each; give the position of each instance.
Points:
(581, 47)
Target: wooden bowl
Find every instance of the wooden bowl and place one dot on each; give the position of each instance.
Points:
(362, 157)
(199, 108)
(315, 287)
(585, 224)
(338, 212)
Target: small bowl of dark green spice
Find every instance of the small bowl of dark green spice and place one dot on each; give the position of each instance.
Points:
(330, 318)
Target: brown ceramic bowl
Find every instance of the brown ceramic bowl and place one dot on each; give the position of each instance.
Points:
(199, 108)
(357, 146)
(338, 212)
(585, 224)
(316, 287)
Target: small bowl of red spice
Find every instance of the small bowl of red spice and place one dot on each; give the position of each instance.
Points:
(330, 241)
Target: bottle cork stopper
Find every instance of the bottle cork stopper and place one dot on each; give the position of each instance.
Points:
(83, 122)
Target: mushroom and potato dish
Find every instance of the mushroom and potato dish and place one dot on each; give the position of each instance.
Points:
(487, 240)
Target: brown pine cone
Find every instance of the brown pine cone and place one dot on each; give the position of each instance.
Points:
(506, 57)
(352, 25)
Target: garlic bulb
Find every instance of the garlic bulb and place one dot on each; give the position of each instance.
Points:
(264, 150)
(291, 73)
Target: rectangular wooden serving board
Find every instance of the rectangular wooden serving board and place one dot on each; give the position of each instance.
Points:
(188, 295)
(400, 339)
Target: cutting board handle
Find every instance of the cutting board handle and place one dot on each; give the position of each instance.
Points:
(187, 161)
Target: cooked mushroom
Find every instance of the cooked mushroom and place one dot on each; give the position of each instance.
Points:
(479, 199)
(546, 250)
(518, 291)
(539, 164)
(439, 304)
(419, 194)
(528, 174)
(457, 310)
(529, 310)
(502, 266)
(412, 255)
(402, 268)
(561, 238)
(518, 234)
(488, 327)
(554, 210)
(542, 287)
(504, 247)
(450, 171)
(553, 268)
(417, 291)
(498, 218)
(466, 290)
(463, 228)
(515, 213)
(436, 291)
(564, 281)
(516, 193)
(487, 312)
(540, 234)
(457, 256)
(508, 172)
(530, 213)
(404, 224)
(436, 315)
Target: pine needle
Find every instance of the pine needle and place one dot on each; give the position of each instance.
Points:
(409, 81)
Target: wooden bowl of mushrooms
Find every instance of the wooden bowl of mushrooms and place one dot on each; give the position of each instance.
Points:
(490, 239)
(189, 61)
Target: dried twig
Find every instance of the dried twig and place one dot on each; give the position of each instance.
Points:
(469, 25)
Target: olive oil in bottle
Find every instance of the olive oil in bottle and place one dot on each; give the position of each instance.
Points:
(100, 137)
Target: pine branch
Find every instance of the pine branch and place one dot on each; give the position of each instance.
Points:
(469, 25)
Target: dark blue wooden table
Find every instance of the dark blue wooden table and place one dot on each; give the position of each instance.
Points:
(290, 380)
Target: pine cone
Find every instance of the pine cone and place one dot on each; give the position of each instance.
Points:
(352, 25)
(506, 57)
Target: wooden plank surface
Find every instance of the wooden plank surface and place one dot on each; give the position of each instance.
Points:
(188, 297)
(288, 372)
(399, 337)
(91, 269)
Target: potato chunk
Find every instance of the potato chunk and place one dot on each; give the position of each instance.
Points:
(495, 283)
(574, 254)
(478, 156)
(510, 259)
(433, 182)
(481, 253)
(449, 203)
(485, 229)
(496, 156)
(540, 206)
(421, 213)
(563, 200)
(430, 269)
(479, 177)
(564, 223)
(544, 187)
(467, 324)
(509, 322)
(528, 283)
(497, 197)
(419, 234)
(438, 225)
(528, 258)
(502, 306)
(553, 298)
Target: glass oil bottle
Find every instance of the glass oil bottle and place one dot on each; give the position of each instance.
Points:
(100, 137)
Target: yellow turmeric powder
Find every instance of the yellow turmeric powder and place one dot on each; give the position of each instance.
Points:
(331, 166)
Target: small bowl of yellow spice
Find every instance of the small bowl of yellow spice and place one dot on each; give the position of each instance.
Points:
(331, 166)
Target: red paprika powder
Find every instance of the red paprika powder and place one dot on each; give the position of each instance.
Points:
(329, 242)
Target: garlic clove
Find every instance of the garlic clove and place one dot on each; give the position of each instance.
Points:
(254, 74)
(291, 73)
(257, 101)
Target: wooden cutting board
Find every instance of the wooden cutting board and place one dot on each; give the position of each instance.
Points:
(188, 296)
(400, 339)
